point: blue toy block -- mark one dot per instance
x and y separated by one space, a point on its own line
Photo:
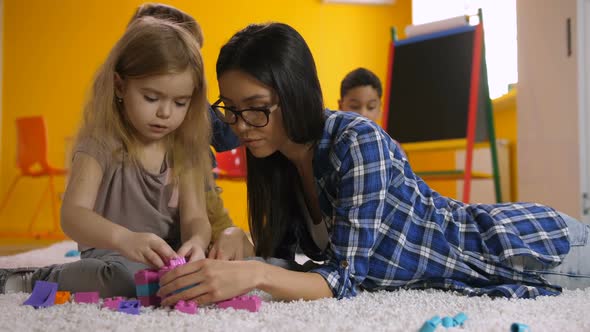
448 322
459 319
431 324
147 289
43 294
519 327
129 307
72 253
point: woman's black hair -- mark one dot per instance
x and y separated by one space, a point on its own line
277 56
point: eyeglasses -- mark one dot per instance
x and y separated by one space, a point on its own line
254 116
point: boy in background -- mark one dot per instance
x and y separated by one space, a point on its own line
360 92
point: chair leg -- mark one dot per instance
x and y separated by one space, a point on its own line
53 204
37 210
9 192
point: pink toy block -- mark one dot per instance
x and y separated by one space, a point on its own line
146 276
112 302
86 297
188 307
147 301
251 303
175 262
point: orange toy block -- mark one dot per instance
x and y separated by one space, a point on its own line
62 297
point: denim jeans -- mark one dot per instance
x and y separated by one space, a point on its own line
574 271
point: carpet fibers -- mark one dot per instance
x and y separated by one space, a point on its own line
380 311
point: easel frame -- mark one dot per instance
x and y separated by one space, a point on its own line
479 91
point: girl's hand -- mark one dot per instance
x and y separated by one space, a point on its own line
215 281
232 244
192 250
146 248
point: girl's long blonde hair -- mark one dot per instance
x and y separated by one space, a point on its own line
151 46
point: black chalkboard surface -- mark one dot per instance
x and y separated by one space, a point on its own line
430 85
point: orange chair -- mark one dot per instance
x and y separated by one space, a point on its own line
231 164
31 159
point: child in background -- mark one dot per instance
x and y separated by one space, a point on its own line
140 163
226 238
360 92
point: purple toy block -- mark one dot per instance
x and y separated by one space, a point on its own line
112 302
251 303
43 294
86 297
175 262
188 307
129 307
147 301
146 276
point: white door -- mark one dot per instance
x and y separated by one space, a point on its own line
583 20
549 160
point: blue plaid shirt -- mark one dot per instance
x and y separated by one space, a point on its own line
389 230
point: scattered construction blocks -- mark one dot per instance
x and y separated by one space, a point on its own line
62 297
251 303
188 307
86 297
129 307
43 294
113 302
519 327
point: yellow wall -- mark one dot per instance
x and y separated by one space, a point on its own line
52 49
505 124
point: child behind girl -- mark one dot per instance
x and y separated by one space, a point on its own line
360 92
135 193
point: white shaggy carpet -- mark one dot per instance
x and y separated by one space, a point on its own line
382 311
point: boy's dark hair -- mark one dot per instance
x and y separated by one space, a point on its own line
170 14
277 56
360 77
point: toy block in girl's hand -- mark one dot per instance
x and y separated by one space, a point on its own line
146 276
62 297
86 297
251 303
175 262
188 307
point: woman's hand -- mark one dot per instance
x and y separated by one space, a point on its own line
192 249
146 248
232 244
215 281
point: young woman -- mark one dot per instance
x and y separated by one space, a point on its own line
336 185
